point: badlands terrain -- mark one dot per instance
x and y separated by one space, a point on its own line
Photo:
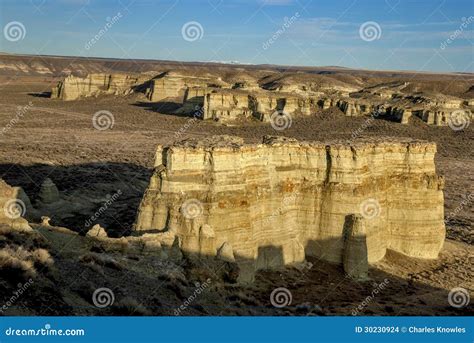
121 144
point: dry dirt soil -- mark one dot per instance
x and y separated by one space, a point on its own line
56 139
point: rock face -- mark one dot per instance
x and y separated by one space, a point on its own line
231 98
13 206
231 105
174 85
275 203
97 231
227 105
72 87
445 116
438 110
356 258
48 193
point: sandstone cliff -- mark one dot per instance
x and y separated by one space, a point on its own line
243 97
72 87
174 85
275 203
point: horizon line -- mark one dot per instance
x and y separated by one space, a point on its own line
239 64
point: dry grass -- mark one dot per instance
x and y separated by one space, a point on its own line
101 260
17 262
128 306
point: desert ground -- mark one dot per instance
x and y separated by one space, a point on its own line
56 139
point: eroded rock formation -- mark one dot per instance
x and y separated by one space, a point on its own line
174 85
231 98
72 87
48 193
275 203
14 204
356 261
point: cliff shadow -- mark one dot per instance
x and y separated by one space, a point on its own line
164 107
41 94
153 283
108 193
321 287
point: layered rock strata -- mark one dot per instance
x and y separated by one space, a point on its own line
73 88
229 105
438 112
48 193
355 260
275 203
174 85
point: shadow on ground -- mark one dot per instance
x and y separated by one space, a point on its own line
85 190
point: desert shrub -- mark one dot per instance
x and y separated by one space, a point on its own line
128 306
28 239
15 265
42 257
16 262
101 260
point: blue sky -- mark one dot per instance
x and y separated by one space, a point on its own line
409 34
